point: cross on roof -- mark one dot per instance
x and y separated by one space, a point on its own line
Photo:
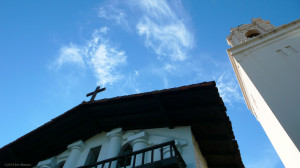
94 93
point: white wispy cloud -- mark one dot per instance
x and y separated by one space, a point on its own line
70 54
136 72
114 14
131 83
169 67
103 30
228 88
164 30
97 54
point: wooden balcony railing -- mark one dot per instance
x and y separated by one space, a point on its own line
173 154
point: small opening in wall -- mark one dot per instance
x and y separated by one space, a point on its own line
252 33
60 165
126 149
93 155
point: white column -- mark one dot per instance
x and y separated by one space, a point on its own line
115 144
48 163
139 141
75 151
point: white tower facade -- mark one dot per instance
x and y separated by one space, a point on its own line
266 61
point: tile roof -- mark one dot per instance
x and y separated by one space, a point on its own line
197 105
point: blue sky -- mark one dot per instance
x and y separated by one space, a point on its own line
54 52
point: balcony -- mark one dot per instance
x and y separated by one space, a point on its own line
164 155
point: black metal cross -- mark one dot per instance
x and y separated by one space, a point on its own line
94 93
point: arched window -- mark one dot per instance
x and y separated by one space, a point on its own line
252 33
126 149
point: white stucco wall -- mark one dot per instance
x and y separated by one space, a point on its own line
199 159
182 136
268 70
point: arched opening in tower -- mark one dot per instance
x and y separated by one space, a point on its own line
252 33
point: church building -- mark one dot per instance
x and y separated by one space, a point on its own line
266 61
184 127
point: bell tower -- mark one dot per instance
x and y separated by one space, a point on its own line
266 62
246 32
